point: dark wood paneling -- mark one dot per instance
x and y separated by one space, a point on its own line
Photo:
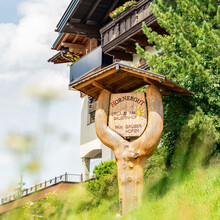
125 30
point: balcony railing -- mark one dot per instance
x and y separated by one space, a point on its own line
125 26
93 60
67 178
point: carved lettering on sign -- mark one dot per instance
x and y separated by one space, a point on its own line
128 113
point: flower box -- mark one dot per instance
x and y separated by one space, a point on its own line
121 9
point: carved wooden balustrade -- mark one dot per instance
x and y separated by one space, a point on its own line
120 35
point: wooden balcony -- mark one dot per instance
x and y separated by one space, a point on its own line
118 37
77 45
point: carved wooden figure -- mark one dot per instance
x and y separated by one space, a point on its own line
131 155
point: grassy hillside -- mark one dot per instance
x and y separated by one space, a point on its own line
197 196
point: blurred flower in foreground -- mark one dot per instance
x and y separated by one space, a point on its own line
34 166
44 95
18 143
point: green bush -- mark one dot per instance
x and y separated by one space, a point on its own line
105 185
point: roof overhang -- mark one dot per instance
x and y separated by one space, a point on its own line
71 41
120 78
59 58
70 44
67 15
83 17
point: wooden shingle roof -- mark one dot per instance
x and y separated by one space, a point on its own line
86 17
120 78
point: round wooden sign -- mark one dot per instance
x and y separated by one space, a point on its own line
128 113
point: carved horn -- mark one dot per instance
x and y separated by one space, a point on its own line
107 136
149 140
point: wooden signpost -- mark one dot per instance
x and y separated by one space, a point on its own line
124 124
130 155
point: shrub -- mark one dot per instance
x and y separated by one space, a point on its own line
105 185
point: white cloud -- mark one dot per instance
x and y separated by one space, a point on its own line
25 49
26 46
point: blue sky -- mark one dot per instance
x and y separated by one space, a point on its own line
8 11
26 35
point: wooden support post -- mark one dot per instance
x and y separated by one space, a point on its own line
131 156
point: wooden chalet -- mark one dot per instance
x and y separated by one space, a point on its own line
86 25
79 27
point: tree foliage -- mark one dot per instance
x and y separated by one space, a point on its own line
188 54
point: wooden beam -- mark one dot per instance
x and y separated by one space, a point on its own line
66 37
142 40
84 40
126 48
121 55
148 81
63 39
126 83
166 90
86 28
116 79
98 85
169 83
130 48
121 47
165 82
90 91
152 82
91 11
140 75
77 48
82 94
75 39
84 84
115 2
166 87
91 31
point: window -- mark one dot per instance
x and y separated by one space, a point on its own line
92 107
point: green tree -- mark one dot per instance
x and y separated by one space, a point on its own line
188 54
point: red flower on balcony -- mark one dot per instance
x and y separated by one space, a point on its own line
122 8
